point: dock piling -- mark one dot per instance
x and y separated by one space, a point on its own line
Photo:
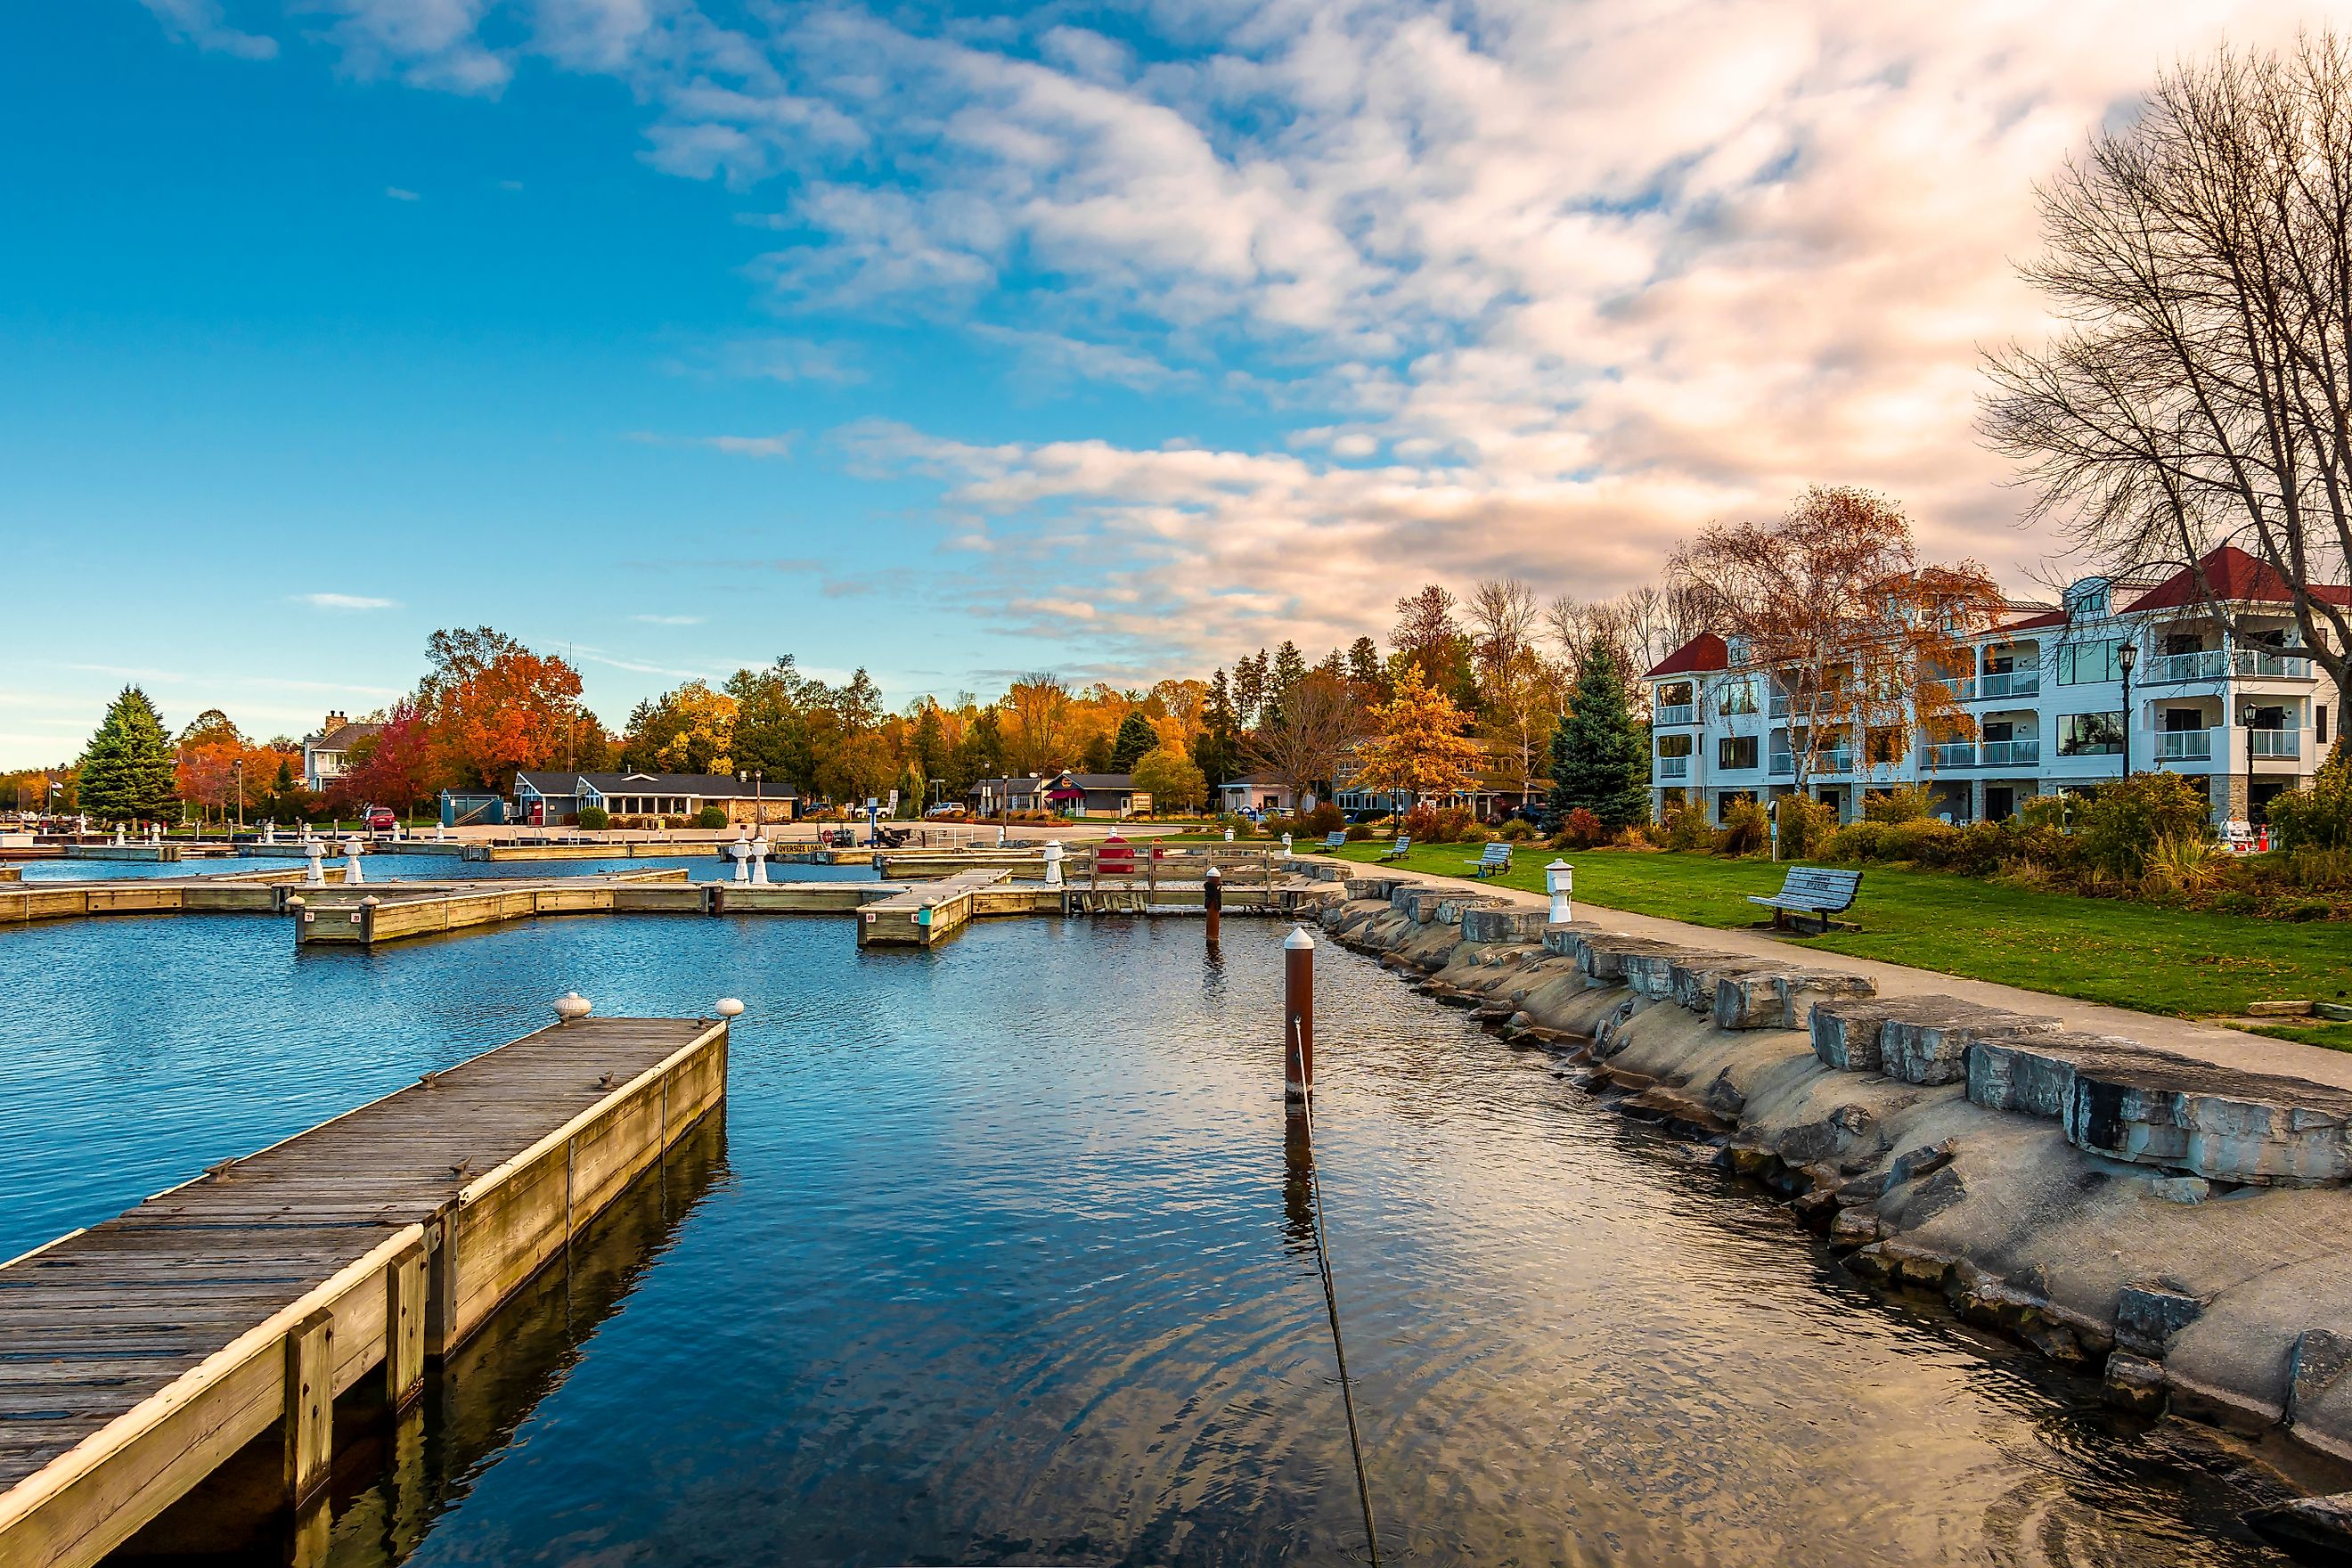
310 1406
1299 1013
1212 901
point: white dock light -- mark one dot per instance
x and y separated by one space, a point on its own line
1054 865
571 1005
731 1007
1559 881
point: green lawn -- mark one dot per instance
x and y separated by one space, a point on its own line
2100 950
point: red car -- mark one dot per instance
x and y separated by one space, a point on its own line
380 819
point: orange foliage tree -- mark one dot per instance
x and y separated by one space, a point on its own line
1417 748
494 708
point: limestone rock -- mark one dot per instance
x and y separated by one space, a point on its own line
2315 1364
2148 1315
1502 924
2157 1109
2134 1383
2034 1073
1563 939
2181 1189
1926 1039
2314 1528
1773 996
1602 955
1846 1033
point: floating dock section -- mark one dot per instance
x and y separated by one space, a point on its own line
137 1356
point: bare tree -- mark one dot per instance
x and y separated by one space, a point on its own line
2203 394
1502 615
1300 745
1832 603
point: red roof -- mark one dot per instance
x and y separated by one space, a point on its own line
2236 578
2034 623
1704 652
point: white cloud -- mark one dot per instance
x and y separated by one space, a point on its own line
203 23
345 601
396 193
669 620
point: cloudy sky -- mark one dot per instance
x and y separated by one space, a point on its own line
1109 338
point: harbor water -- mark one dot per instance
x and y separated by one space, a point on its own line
1004 1251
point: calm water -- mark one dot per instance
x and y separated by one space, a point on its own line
999 1256
382 868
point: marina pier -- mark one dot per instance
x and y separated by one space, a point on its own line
144 1352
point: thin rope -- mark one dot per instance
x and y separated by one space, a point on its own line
1338 1345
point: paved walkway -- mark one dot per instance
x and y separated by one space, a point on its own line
2206 1042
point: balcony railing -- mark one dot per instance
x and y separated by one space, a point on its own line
2213 663
1678 713
2011 753
1674 767
1784 765
1780 705
1841 762
2172 668
2006 683
2274 742
1947 754
2185 745
2259 661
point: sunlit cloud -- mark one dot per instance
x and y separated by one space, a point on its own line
345 601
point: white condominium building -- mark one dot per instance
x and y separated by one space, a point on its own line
2162 675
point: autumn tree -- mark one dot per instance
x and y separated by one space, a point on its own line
1171 779
1599 752
689 730
2202 395
1417 748
126 773
396 766
1037 729
494 708
1301 744
1833 604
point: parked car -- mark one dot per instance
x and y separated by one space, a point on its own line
380 819
939 811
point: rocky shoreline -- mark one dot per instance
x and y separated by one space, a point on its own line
2173 1227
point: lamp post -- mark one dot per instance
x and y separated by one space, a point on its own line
2126 656
2247 713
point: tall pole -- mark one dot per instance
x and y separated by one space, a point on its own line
1299 1013
2126 656
1212 901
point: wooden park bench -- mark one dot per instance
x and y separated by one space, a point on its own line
1494 861
1398 850
1811 891
1332 840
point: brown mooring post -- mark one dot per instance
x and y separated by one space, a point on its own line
310 1406
1213 900
1299 1013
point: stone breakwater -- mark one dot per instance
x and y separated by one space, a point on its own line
2173 1226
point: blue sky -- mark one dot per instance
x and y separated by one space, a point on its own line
1111 339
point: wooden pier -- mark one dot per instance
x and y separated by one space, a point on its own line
138 1355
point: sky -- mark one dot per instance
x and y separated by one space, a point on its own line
1111 339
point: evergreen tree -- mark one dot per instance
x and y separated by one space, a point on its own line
1216 750
127 771
1137 739
1600 756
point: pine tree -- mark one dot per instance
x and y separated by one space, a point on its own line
1136 740
1599 759
127 769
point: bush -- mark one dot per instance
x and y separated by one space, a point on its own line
1453 823
1358 832
2183 865
2235 902
1746 829
595 818
1686 829
2319 818
1806 824
710 816
1475 833
1319 823
1419 825
1519 830
2123 827
1908 804
2319 869
1579 829
1857 841
1922 840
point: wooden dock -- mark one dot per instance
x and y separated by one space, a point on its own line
138 1355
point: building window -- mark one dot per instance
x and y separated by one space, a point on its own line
2089 663
2319 722
1674 745
1884 744
1738 697
1735 752
2090 734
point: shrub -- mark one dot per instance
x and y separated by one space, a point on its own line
1358 832
1907 804
2235 902
1806 824
2123 827
2053 812
1579 829
595 818
1922 840
1474 834
710 816
1746 829
2319 869
1857 841
1686 828
2184 865
1453 824
1419 825
2304 909
2041 846
1242 826
2319 818
1519 830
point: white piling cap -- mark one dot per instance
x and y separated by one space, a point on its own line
729 1007
1298 939
570 1006
1213 875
